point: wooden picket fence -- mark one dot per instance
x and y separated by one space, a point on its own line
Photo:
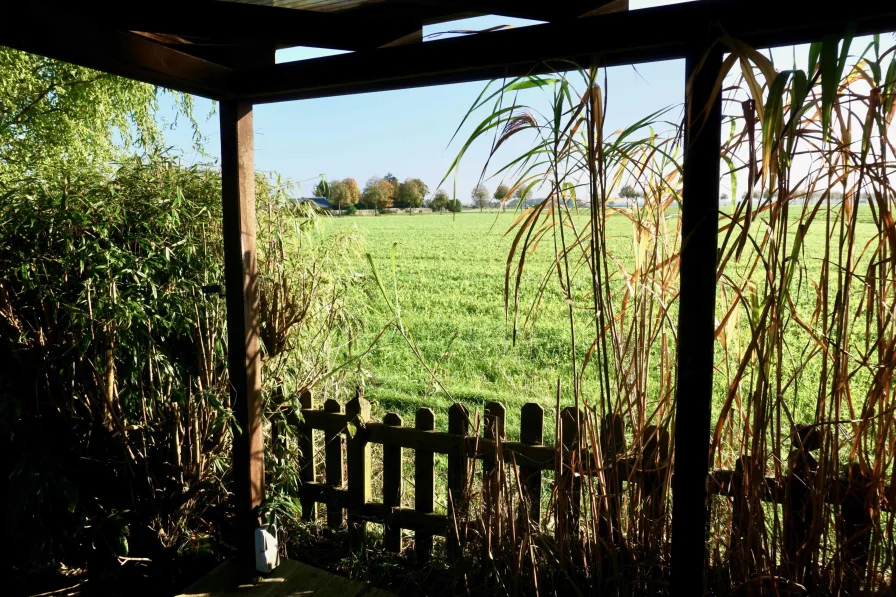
350 433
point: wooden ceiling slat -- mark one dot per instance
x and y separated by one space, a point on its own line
606 40
29 28
619 38
213 22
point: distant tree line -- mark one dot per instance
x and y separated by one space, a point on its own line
483 199
835 196
387 191
378 193
382 193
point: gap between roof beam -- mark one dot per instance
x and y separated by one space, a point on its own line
538 10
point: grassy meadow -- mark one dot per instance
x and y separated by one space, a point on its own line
448 276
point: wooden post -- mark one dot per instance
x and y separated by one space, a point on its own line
458 424
334 466
696 321
392 486
424 484
532 433
307 471
358 467
243 353
492 481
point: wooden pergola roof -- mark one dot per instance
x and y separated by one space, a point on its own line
225 50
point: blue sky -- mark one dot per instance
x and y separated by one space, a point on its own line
405 132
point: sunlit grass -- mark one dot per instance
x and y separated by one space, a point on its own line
450 280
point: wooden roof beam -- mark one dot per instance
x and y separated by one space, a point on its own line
29 28
216 23
662 33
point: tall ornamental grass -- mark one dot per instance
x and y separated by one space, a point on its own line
804 426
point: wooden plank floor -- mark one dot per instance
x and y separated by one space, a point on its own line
290 579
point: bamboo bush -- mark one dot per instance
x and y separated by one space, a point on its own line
107 326
115 399
307 326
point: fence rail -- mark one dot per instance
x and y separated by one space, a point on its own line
349 434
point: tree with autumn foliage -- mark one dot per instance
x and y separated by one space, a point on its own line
378 193
344 192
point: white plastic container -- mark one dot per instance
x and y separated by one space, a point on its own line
267 556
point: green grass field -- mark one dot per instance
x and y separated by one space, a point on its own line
449 276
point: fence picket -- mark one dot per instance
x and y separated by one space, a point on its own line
392 486
307 471
612 441
799 509
358 468
424 484
334 464
532 433
458 424
654 470
656 456
570 502
493 475
738 545
855 527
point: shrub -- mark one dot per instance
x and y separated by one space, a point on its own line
115 403
112 321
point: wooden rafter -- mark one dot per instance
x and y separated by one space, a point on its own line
604 40
215 23
79 41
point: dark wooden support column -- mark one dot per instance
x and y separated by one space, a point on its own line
243 353
696 323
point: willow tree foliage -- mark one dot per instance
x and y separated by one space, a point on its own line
54 115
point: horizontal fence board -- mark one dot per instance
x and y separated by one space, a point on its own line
541 457
405 518
324 494
721 482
